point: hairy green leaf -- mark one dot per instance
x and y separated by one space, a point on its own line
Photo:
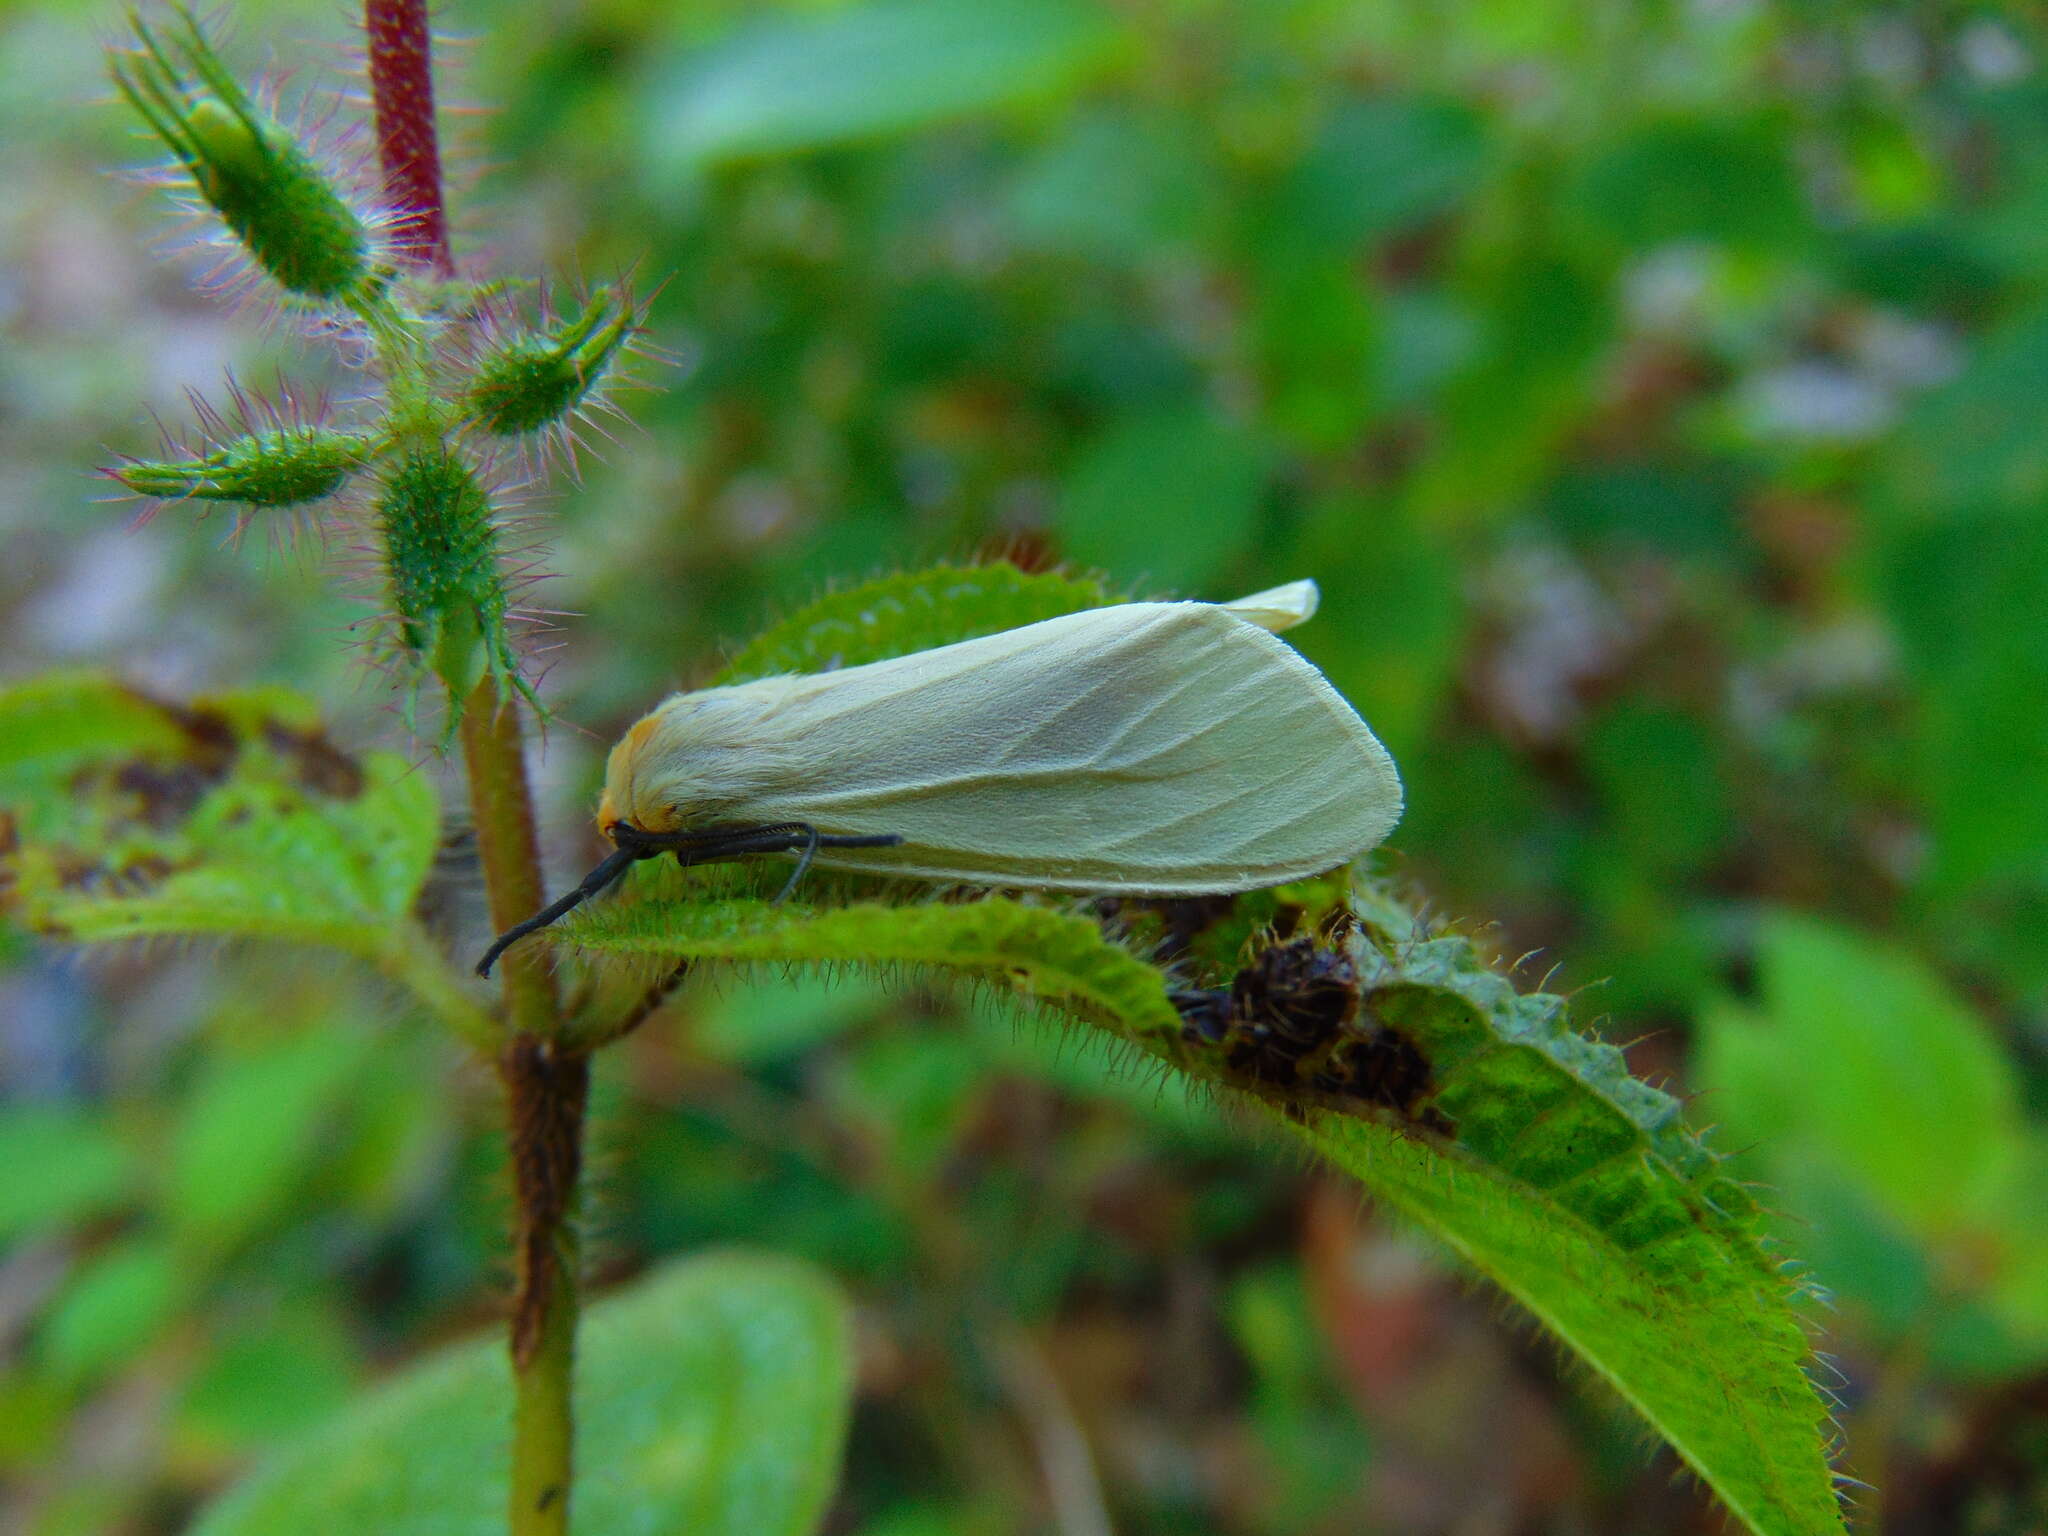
1580 1192
1690 1333
711 1398
916 611
1474 1110
127 816
1041 953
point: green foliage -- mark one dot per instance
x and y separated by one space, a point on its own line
251 1128
1116 186
1654 395
1879 1105
231 816
1310 1438
271 1376
713 1397
119 1301
798 83
1707 178
1425 155
82 1169
1172 497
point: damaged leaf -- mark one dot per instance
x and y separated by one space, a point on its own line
124 816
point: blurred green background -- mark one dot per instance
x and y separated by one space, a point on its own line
1656 390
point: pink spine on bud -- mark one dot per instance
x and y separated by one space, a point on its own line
402 92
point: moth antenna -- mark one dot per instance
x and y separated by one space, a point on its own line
614 865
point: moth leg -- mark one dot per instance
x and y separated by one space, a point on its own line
803 865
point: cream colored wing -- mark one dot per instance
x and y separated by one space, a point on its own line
1148 747
1278 608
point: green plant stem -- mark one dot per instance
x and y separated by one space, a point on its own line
501 807
543 1420
546 1086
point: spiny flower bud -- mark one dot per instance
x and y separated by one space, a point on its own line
448 592
277 201
281 467
527 383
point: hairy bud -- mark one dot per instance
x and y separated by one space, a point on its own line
281 467
531 382
448 594
278 202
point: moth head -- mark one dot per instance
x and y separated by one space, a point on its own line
630 776
700 757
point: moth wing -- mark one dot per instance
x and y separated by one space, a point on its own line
1156 747
1278 608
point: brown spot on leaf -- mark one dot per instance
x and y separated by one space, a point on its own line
86 876
166 790
213 744
165 793
149 869
317 763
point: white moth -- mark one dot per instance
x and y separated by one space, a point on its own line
1145 748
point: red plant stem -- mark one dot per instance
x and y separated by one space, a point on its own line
408 148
